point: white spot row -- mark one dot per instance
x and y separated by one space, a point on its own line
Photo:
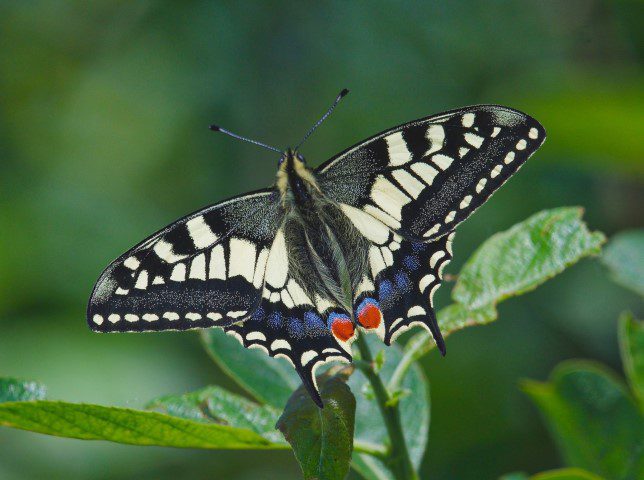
172 316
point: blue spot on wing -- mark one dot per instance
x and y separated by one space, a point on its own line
385 289
313 320
295 327
412 262
258 314
402 281
275 320
418 247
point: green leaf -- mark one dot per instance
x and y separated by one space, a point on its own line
631 343
215 404
566 474
269 380
593 420
414 412
14 390
322 439
624 257
124 425
521 258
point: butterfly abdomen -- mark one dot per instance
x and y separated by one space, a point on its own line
326 248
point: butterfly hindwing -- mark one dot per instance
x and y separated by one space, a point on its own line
423 178
306 330
206 269
397 289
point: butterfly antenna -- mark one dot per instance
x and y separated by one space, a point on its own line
216 128
328 112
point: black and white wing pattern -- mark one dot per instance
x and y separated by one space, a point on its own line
290 324
424 177
406 190
297 320
206 269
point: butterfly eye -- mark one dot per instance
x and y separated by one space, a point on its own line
280 161
301 158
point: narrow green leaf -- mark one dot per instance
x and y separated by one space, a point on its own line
566 474
624 257
414 412
269 380
631 343
215 404
593 420
322 439
14 390
124 425
521 258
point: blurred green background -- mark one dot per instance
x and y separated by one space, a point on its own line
103 139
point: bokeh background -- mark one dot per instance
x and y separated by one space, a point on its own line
103 139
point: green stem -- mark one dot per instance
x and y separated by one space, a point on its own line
398 459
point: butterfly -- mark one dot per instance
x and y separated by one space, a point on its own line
358 243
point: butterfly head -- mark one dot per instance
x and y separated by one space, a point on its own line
290 160
292 171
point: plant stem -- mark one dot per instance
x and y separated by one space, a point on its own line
398 459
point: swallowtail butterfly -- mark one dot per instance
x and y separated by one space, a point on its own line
358 243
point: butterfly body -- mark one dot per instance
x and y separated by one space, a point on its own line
359 243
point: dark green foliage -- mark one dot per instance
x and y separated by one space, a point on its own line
322 439
594 419
631 338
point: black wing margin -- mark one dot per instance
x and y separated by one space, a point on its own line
204 270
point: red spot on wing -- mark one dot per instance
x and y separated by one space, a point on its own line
370 316
342 329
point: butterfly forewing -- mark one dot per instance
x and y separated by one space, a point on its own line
423 178
204 270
